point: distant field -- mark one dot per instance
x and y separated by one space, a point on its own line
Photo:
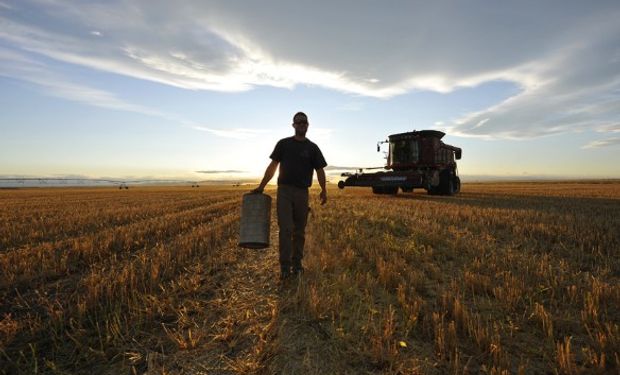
503 278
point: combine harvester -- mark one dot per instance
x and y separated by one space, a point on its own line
417 159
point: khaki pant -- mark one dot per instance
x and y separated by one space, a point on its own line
292 208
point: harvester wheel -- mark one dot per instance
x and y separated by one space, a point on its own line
434 190
449 188
393 190
341 184
457 184
446 183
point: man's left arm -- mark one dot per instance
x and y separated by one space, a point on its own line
320 175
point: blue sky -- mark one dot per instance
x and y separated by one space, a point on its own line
162 90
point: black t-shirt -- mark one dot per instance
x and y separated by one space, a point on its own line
298 160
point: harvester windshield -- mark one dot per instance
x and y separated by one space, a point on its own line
404 151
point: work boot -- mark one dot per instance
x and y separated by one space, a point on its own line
298 270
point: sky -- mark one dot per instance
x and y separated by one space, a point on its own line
204 89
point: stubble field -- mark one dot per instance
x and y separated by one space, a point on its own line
503 278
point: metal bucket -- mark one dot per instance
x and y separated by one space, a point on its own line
255 221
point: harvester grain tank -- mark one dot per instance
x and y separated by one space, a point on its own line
417 159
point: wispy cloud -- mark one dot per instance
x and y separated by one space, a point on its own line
572 91
231 133
564 57
222 172
19 66
611 128
603 143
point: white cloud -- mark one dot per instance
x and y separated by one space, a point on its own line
13 64
611 128
241 134
603 143
481 122
563 55
576 90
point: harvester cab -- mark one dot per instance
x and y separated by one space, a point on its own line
417 159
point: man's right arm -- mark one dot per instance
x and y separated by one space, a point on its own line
269 172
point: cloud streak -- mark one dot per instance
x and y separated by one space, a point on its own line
603 143
222 172
565 56
240 133
18 65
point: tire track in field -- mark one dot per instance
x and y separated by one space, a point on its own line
112 293
62 282
117 214
127 217
240 318
300 343
255 323
66 284
79 246
165 260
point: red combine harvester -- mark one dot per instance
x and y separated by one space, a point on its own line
417 159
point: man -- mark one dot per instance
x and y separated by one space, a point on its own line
298 158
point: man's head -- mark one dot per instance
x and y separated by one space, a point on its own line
300 123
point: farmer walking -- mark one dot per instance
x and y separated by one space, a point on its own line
298 158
